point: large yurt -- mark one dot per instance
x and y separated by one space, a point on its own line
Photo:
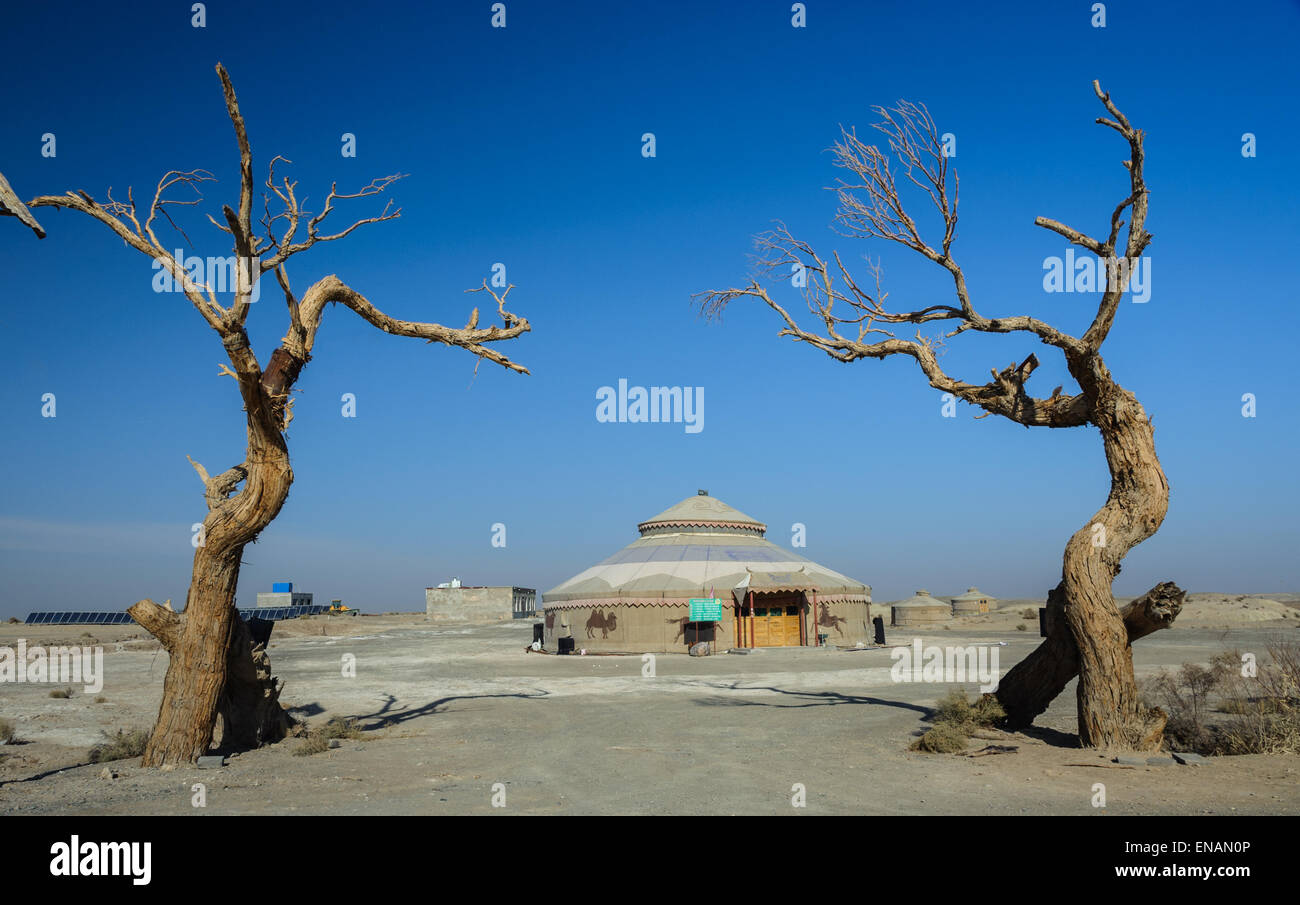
920 610
639 599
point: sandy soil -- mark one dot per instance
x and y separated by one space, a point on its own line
450 711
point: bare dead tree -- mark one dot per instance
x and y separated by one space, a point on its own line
10 206
1089 635
214 669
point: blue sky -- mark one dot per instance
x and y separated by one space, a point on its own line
523 146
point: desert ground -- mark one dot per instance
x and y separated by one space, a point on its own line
455 715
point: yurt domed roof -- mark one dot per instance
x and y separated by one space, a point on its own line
702 511
921 598
700 547
972 594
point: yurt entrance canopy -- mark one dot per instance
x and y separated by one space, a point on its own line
704 548
770 608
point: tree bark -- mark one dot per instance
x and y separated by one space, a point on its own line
250 709
213 668
196 672
1110 715
1032 684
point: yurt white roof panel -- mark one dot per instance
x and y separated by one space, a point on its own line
673 565
922 598
702 510
972 594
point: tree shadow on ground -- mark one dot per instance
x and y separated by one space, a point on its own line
1054 738
392 715
803 699
134 761
303 711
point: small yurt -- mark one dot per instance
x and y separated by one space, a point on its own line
920 610
972 602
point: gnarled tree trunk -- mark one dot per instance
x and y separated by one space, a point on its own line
1089 636
1110 715
212 667
1031 685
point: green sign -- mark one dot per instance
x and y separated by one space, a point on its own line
706 609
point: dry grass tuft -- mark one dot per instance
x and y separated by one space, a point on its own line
944 738
317 740
955 719
120 745
1257 714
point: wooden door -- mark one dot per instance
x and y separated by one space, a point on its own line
774 626
791 626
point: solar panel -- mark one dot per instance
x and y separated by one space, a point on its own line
54 617
276 613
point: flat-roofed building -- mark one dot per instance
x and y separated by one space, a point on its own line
461 603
